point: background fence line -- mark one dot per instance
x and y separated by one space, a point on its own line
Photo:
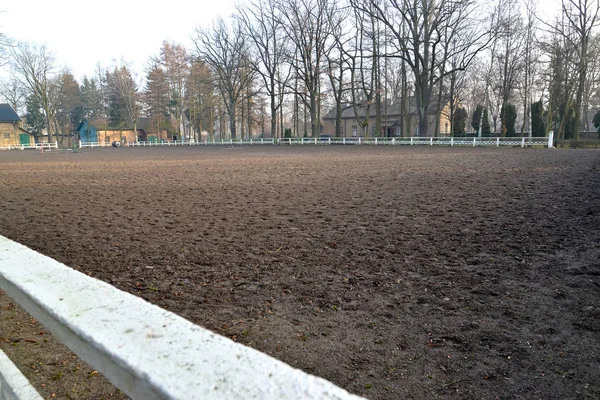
393 141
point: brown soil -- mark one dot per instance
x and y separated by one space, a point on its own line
415 273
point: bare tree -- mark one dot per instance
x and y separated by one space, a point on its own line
364 69
11 91
156 98
582 18
510 56
225 51
200 99
591 94
337 63
561 80
305 24
174 60
262 23
34 67
419 45
127 89
530 63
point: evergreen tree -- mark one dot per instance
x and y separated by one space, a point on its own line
35 117
116 105
485 129
460 122
91 98
538 127
156 98
200 98
596 122
476 118
508 117
69 110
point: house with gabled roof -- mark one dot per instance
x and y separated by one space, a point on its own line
11 131
391 119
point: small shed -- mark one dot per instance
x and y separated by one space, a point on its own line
87 132
99 130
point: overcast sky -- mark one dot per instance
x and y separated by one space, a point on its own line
83 33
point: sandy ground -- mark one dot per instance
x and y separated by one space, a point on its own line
413 272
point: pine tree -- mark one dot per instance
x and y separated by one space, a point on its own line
538 127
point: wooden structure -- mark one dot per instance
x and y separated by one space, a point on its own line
11 132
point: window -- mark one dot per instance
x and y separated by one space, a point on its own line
6 135
354 130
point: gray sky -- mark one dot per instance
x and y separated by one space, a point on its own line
83 33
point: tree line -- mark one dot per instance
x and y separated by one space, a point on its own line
277 66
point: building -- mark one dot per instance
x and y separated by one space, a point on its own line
391 117
11 133
99 130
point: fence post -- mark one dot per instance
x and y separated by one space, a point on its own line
411 140
393 141
375 141
497 142
359 140
56 144
80 144
474 141
550 139
522 142
431 141
315 140
451 141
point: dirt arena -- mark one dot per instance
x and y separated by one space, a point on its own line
396 273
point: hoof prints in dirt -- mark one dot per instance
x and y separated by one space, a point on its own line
394 272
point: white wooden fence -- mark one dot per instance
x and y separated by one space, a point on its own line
428 141
147 352
393 141
37 146
226 142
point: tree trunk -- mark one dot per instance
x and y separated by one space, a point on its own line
232 119
273 110
314 129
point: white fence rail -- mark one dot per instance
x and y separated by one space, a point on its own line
429 141
13 385
147 352
394 141
225 142
37 146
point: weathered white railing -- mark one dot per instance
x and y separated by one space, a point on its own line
147 352
384 141
94 144
13 385
429 141
224 142
37 146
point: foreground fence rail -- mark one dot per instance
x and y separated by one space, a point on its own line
147 352
393 141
